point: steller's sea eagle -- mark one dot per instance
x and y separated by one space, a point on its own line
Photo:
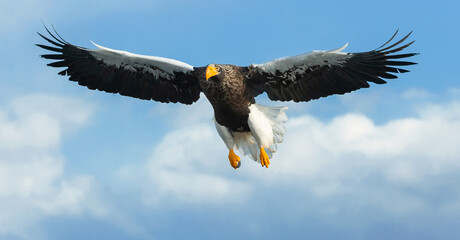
241 123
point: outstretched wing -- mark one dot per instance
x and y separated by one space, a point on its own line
145 77
323 73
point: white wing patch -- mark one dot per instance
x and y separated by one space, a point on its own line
157 66
298 64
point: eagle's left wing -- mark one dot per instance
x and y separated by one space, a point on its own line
323 73
139 76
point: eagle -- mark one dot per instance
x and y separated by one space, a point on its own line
243 125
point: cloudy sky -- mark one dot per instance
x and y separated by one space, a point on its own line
380 163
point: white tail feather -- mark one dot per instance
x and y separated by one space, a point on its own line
246 143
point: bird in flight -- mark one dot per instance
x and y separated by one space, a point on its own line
243 125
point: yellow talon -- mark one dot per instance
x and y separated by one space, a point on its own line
234 159
264 160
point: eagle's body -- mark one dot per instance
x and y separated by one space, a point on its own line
243 125
230 97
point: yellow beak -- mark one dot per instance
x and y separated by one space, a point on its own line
211 71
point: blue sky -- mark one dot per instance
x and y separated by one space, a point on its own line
380 163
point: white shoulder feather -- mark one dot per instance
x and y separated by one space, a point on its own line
310 59
132 61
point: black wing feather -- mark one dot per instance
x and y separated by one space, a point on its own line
84 68
322 80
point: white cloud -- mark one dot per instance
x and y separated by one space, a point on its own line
36 122
349 155
184 169
405 149
32 180
190 163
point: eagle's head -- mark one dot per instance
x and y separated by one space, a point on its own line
213 71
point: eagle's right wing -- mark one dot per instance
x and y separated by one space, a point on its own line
145 77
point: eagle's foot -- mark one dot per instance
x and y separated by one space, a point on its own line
264 160
234 159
